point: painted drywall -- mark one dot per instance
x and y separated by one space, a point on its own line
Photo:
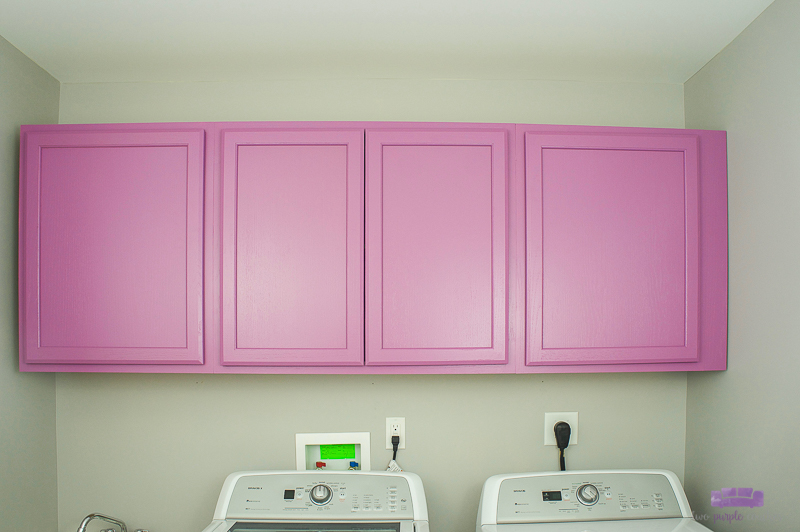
154 449
742 428
537 102
28 95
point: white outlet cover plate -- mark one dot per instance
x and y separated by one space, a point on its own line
550 420
402 422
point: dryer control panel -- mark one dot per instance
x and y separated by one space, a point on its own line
321 496
585 496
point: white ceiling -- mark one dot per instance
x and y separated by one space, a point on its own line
204 40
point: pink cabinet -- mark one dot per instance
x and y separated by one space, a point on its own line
372 248
292 247
436 247
626 248
111 247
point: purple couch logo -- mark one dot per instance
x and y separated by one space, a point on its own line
737 498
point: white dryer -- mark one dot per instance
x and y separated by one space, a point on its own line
320 501
586 501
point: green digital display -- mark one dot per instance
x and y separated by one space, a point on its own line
339 451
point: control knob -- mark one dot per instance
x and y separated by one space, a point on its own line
321 494
588 494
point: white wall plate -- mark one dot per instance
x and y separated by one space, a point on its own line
312 447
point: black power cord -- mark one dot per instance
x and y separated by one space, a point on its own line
563 432
393 466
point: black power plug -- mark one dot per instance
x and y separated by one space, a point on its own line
563 432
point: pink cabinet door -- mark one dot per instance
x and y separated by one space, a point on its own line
612 248
436 255
111 247
292 248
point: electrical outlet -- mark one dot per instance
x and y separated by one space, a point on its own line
550 421
396 426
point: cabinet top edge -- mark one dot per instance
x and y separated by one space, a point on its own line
356 125
352 125
557 129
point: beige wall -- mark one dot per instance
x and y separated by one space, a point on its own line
154 450
742 425
28 95
538 102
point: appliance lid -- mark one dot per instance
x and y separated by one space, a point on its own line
681 524
314 527
317 526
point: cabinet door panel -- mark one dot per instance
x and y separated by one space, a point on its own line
112 245
437 247
292 248
612 248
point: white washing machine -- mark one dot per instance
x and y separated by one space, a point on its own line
586 501
320 501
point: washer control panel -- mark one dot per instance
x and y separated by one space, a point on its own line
585 497
314 496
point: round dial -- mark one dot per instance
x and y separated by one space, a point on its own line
588 494
320 494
